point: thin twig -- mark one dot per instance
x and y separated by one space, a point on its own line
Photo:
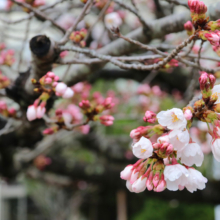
134 11
39 14
65 39
101 14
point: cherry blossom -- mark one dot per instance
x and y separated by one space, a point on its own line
143 148
172 119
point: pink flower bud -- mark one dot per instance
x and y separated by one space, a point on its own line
56 78
212 80
192 5
134 176
108 104
139 132
188 114
149 185
40 111
126 173
170 149
161 186
68 93
12 111
203 80
156 179
54 84
50 74
48 80
150 117
107 120
48 131
213 38
31 113
84 104
188 26
63 54
201 8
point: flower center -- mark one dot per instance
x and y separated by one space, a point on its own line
174 118
143 150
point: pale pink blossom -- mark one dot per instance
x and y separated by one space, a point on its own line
40 111
113 20
172 119
195 180
215 146
68 93
61 88
179 139
143 148
129 186
192 154
175 175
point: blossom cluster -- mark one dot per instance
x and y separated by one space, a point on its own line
33 3
69 115
7 57
201 26
167 151
78 37
4 81
6 111
47 86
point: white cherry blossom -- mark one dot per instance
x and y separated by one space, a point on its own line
195 180
215 146
173 119
179 139
175 175
113 20
192 154
143 148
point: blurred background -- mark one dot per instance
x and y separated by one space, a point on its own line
75 175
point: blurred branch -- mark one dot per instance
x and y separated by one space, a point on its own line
135 12
65 39
39 14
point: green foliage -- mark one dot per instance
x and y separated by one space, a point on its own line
155 209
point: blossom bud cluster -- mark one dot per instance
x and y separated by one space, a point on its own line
37 110
4 81
167 162
79 36
6 111
33 3
47 86
92 109
7 57
198 11
207 82
64 118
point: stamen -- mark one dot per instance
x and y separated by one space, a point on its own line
143 150
174 118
